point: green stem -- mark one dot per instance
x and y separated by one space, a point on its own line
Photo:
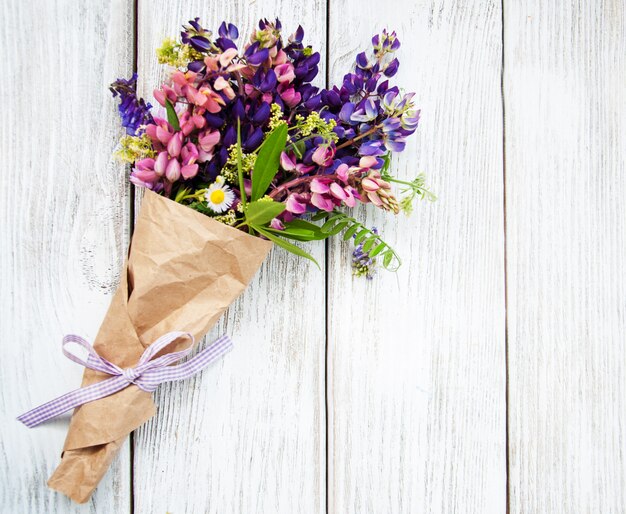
403 182
297 181
242 188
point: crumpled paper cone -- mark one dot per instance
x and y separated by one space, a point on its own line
184 269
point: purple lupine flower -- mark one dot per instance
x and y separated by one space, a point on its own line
196 36
362 264
134 111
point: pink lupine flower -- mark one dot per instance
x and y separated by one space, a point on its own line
322 202
222 85
323 155
206 143
175 144
319 186
289 95
138 182
296 204
164 135
276 224
337 191
367 161
227 57
348 195
172 172
378 191
352 196
189 171
189 122
161 163
285 73
343 173
280 58
165 93
181 81
303 169
144 170
189 155
212 102
159 132
287 162
212 63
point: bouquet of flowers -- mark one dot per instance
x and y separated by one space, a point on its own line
243 153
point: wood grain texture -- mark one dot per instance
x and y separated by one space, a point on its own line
64 211
417 359
565 70
247 435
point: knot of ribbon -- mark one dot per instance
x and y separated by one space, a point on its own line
149 372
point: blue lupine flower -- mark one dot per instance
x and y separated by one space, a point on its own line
134 111
362 264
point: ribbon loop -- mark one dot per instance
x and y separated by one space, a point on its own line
147 375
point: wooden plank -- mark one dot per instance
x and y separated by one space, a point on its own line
417 358
64 227
247 435
566 240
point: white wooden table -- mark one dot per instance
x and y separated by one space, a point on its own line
487 376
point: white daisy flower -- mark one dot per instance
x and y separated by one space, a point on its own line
219 197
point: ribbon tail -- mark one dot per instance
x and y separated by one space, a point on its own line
151 379
73 399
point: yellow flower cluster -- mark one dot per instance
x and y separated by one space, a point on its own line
276 116
314 124
175 54
229 218
133 148
229 171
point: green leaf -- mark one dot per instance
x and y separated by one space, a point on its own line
285 244
360 236
378 249
338 228
332 221
172 117
350 232
320 215
266 165
262 212
242 186
368 244
182 192
387 257
300 230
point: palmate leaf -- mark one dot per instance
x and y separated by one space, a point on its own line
266 164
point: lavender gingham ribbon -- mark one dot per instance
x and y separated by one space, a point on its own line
147 375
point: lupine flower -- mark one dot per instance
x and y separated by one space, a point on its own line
296 203
378 191
362 264
134 111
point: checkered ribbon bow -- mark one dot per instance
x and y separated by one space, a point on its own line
147 375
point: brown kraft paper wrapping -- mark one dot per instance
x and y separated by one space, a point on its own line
184 269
